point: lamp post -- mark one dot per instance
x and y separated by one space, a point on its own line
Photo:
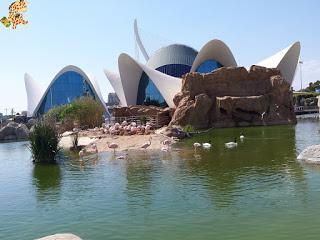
300 63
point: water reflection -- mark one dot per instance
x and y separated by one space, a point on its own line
47 181
266 157
139 170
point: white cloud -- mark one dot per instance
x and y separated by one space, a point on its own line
310 73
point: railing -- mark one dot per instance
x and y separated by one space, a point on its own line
306 109
156 121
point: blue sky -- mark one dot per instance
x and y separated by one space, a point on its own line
91 34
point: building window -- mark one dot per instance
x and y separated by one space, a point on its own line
148 93
65 89
208 66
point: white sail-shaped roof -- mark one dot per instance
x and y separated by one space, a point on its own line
34 93
127 82
215 50
286 61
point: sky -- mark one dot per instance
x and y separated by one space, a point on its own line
92 34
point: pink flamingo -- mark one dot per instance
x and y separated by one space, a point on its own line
146 145
94 148
167 142
82 153
113 146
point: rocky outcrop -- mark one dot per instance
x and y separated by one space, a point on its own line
310 155
232 96
14 131
172 132
65 236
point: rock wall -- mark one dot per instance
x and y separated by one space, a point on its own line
232 96
158 116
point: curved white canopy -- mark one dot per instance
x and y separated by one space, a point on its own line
34 93
286 61
215 50
126 84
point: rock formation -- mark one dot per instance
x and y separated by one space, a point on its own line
14 131
310 155
232 96
65 236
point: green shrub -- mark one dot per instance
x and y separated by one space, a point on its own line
44 141
84 111
188 128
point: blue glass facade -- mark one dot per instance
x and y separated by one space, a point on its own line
65 89
148 93
208 66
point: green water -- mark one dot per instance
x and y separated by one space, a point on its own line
257 191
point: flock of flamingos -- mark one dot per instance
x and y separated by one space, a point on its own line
132 128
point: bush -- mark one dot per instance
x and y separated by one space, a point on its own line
84 111
188 128
44 141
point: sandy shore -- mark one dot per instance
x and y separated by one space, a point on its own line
126 143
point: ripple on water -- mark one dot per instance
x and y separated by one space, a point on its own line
257 189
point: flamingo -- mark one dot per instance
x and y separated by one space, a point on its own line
207 145
231 144
81 153
94 148
166 143
241 137
113 146
196 146
146 145
164 149
122 157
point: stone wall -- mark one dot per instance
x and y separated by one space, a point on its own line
157 116
232 96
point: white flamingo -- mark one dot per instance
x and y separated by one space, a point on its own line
81 153
113 146
147 144
241 137
231 144
196 145
207 145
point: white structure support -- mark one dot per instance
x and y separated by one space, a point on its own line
286 61
138 40
34 93
36 96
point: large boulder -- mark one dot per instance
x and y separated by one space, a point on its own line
233 96
64 236
14 131
193 111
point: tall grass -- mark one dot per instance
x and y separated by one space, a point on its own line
44 140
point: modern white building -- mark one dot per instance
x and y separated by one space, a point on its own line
159 80
69 84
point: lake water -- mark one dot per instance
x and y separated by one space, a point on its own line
256 191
